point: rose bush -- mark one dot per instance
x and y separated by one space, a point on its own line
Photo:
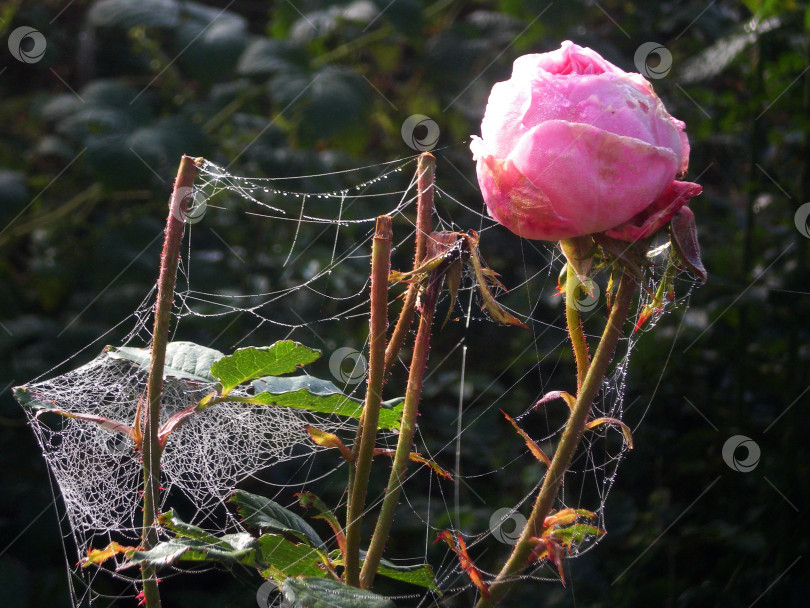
573 145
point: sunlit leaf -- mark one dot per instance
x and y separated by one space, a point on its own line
98 556
628 435
569 399
329 440
252 363
333 404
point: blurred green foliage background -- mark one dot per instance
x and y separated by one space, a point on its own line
90 140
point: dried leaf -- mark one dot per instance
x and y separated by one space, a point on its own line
98 556
683 233
533 447
481 277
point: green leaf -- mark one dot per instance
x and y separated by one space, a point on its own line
418 574
233 548
261 512
127 14
264 56
254 362
334 404
183 359
181 528
576 533
308 592
276 552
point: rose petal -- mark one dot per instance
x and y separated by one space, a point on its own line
658 214
515 202
592 180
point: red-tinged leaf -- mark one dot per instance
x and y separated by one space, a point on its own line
556 554
329 440
416 457
105 423
98 556
628 436
307 500
643 317
530 443
175 422
569 399
459 547
538 550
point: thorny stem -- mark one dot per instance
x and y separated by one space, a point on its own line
578 341
568 442
410 411
426 176
163 310
363 450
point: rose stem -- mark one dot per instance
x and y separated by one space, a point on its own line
163 311
426 174
410 411
363 450
568 442
572 283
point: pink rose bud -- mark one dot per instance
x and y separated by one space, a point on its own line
572 145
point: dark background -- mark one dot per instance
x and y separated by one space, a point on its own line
85 175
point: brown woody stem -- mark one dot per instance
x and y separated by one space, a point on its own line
152 451
425 177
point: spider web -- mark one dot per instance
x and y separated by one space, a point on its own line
98 475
